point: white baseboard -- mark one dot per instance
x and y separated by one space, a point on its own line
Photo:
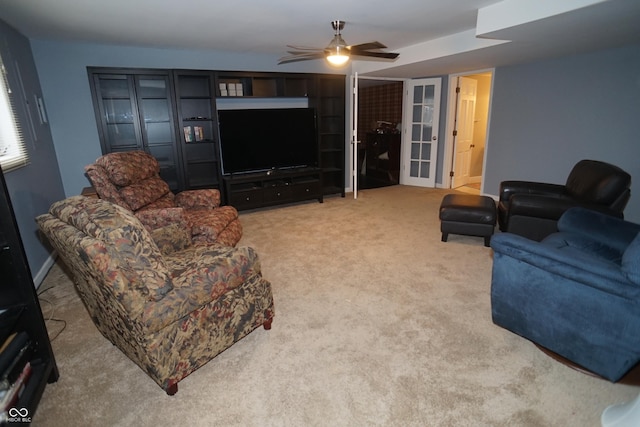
42 273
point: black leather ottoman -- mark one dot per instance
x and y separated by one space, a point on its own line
469 215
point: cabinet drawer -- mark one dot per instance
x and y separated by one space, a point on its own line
306 190
246 199
277 194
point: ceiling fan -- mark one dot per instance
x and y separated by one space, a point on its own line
337 52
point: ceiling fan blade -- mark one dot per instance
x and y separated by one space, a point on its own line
302 52
303 57
367 46
306 48
384 55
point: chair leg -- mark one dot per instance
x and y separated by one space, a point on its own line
267 324
487 241
445 236
172 389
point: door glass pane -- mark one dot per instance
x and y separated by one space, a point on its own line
120 135
114 88
152 88
424 169
429 94
415 132
417 94
426 132
415 150
417 113
426 151
155 110
427 115
159 133
118 110
414 169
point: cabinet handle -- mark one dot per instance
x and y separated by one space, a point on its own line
247 199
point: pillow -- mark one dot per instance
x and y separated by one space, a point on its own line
631 261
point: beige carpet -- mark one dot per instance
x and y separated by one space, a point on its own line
378 323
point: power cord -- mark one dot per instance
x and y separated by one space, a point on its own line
51 318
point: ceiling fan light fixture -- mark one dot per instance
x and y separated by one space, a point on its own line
337 56
337 52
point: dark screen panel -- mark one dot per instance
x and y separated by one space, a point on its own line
263 139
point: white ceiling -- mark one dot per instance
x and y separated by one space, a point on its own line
432 36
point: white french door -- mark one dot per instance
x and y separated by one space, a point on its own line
420 139
354 134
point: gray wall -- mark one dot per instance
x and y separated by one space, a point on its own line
63 75
34 187
546 116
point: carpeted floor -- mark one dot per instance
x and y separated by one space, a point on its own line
378 323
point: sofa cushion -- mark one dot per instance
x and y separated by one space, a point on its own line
125 168
145 192
631 261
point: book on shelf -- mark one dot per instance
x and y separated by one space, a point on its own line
13 372
188 136
198 132
9 397
11 348
13 358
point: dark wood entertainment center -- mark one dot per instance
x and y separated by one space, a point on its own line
254 190
172 114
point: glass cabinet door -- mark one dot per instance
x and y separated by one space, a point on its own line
157 124
134 111
118 113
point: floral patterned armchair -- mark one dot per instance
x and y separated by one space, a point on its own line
131 179
168 304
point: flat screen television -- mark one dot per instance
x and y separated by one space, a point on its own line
253 140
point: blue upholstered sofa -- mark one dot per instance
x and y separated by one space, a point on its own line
576 293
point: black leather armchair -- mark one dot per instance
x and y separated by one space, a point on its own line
532 209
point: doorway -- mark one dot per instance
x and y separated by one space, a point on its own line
469 104
379 132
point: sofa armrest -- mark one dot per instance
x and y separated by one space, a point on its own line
201 274
605 228
598 273
509 188
198 199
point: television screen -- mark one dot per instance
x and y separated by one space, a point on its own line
253 140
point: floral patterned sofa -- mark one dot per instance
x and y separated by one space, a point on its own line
131 179
168 304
